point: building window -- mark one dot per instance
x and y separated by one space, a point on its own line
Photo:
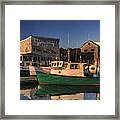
33 49
27 64
88 43
44 58
92 56
20 58
22 64
39 59
34 59
92 49
24 58
85 50
30 59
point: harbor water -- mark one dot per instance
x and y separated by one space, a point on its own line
30 91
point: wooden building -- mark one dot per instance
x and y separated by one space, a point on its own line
90 52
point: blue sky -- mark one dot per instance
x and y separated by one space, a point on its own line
77 31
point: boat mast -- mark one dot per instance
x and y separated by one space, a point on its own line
68 49
76 51
88 61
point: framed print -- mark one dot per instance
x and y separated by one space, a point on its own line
59 59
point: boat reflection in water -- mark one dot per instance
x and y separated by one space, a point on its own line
58 92
66 89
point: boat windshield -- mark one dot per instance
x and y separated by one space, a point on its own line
74 66
57 64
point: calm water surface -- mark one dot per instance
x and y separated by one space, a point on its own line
34 91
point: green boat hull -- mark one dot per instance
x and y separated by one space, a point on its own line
50 79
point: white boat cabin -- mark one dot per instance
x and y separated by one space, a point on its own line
57 64
68 68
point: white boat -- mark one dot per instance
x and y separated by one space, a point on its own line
68 68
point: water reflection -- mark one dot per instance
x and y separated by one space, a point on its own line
48 92
66 89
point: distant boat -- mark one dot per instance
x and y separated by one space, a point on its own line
67 74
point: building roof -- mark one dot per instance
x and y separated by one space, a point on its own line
41 37
95 42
